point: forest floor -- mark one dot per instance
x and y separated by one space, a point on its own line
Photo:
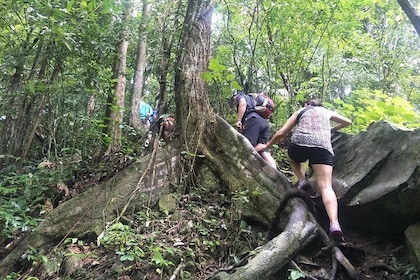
374 256
203 236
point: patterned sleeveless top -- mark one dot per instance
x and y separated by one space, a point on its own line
314 129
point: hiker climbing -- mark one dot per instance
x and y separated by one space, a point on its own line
252 125
311 140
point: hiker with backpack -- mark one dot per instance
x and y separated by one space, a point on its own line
252 125
311 140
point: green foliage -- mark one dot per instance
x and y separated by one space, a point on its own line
22 199
158 259
220 73
34 256
125 241
411 273
74 241
28 192
321 49
365 107
133 247
191 236
223 84
295 274
241 196
280 155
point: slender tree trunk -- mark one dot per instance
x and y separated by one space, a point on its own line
140 68
164 66
30 104
43 101
411 13
117 110
9 140
167 44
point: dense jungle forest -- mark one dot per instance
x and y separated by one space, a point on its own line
73 74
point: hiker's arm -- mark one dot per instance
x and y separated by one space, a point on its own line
340 120
241 112
280 134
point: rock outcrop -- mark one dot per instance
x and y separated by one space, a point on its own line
377 178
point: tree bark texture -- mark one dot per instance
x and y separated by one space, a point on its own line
411 13
167 43
117 113
140 68
193 112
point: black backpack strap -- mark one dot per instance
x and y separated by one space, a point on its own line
301 113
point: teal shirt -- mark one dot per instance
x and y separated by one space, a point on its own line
145 110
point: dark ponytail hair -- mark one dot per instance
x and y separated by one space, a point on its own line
313 102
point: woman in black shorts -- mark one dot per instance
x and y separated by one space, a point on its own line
311 140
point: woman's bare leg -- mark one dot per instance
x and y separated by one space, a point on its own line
323 174
298 168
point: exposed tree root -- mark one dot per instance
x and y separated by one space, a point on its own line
334 268
279 251
338 255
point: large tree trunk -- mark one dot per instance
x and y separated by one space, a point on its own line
195 118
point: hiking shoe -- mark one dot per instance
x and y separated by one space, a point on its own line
336 233
304 185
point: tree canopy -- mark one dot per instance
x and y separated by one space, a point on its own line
58 63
